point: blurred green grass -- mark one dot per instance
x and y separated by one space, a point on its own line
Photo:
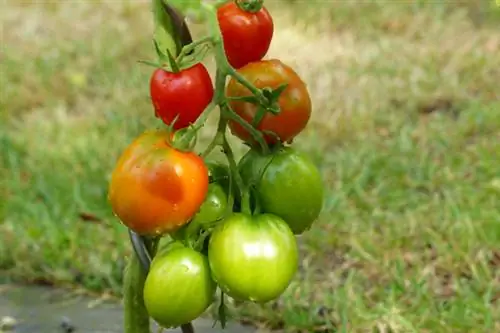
405 132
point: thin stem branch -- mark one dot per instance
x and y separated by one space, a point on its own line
186 50
229 113
245 197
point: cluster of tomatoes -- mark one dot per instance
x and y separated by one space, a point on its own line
238 238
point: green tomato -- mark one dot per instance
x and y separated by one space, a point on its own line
287 184
213 209
179 287
253 257
220 173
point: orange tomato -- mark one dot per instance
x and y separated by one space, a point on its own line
156 189
295 102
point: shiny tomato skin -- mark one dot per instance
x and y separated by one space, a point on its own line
295 101
212 210
214 207
287 184
185 94
154 188
253 258
218 173
246 36
179 287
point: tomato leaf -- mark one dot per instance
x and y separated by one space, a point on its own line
150 63
171 31
221 312
275 94
197 56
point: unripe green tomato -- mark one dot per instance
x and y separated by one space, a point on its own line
253 258
213 209
287 184
179 287
220 173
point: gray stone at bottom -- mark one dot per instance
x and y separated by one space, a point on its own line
44 310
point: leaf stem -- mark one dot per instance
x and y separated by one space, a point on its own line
186 50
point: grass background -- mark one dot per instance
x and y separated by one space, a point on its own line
406 132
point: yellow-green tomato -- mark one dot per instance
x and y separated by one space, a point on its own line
253 258
178 287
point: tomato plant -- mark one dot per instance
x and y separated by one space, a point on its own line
287 184
253 257
233 224
246 35
181 96
151 188
178 287
294 102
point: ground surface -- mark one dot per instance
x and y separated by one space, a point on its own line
406 131
45 310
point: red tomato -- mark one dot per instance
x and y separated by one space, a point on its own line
155 188
247 36
294 101
185 94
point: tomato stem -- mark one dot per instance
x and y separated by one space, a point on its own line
188 49
245 197
229 113
218 138
136 316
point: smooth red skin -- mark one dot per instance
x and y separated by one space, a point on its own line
186 93
246 36
295 102
156 189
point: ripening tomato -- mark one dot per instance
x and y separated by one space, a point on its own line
253 257
155 188
287 184
184 94
178 287
294 101
246 36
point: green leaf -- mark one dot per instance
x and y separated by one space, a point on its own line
193 8
277 92
221 312
171 32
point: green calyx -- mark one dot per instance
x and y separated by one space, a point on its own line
251 6
184 139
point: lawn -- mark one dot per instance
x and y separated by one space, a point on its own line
406 132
